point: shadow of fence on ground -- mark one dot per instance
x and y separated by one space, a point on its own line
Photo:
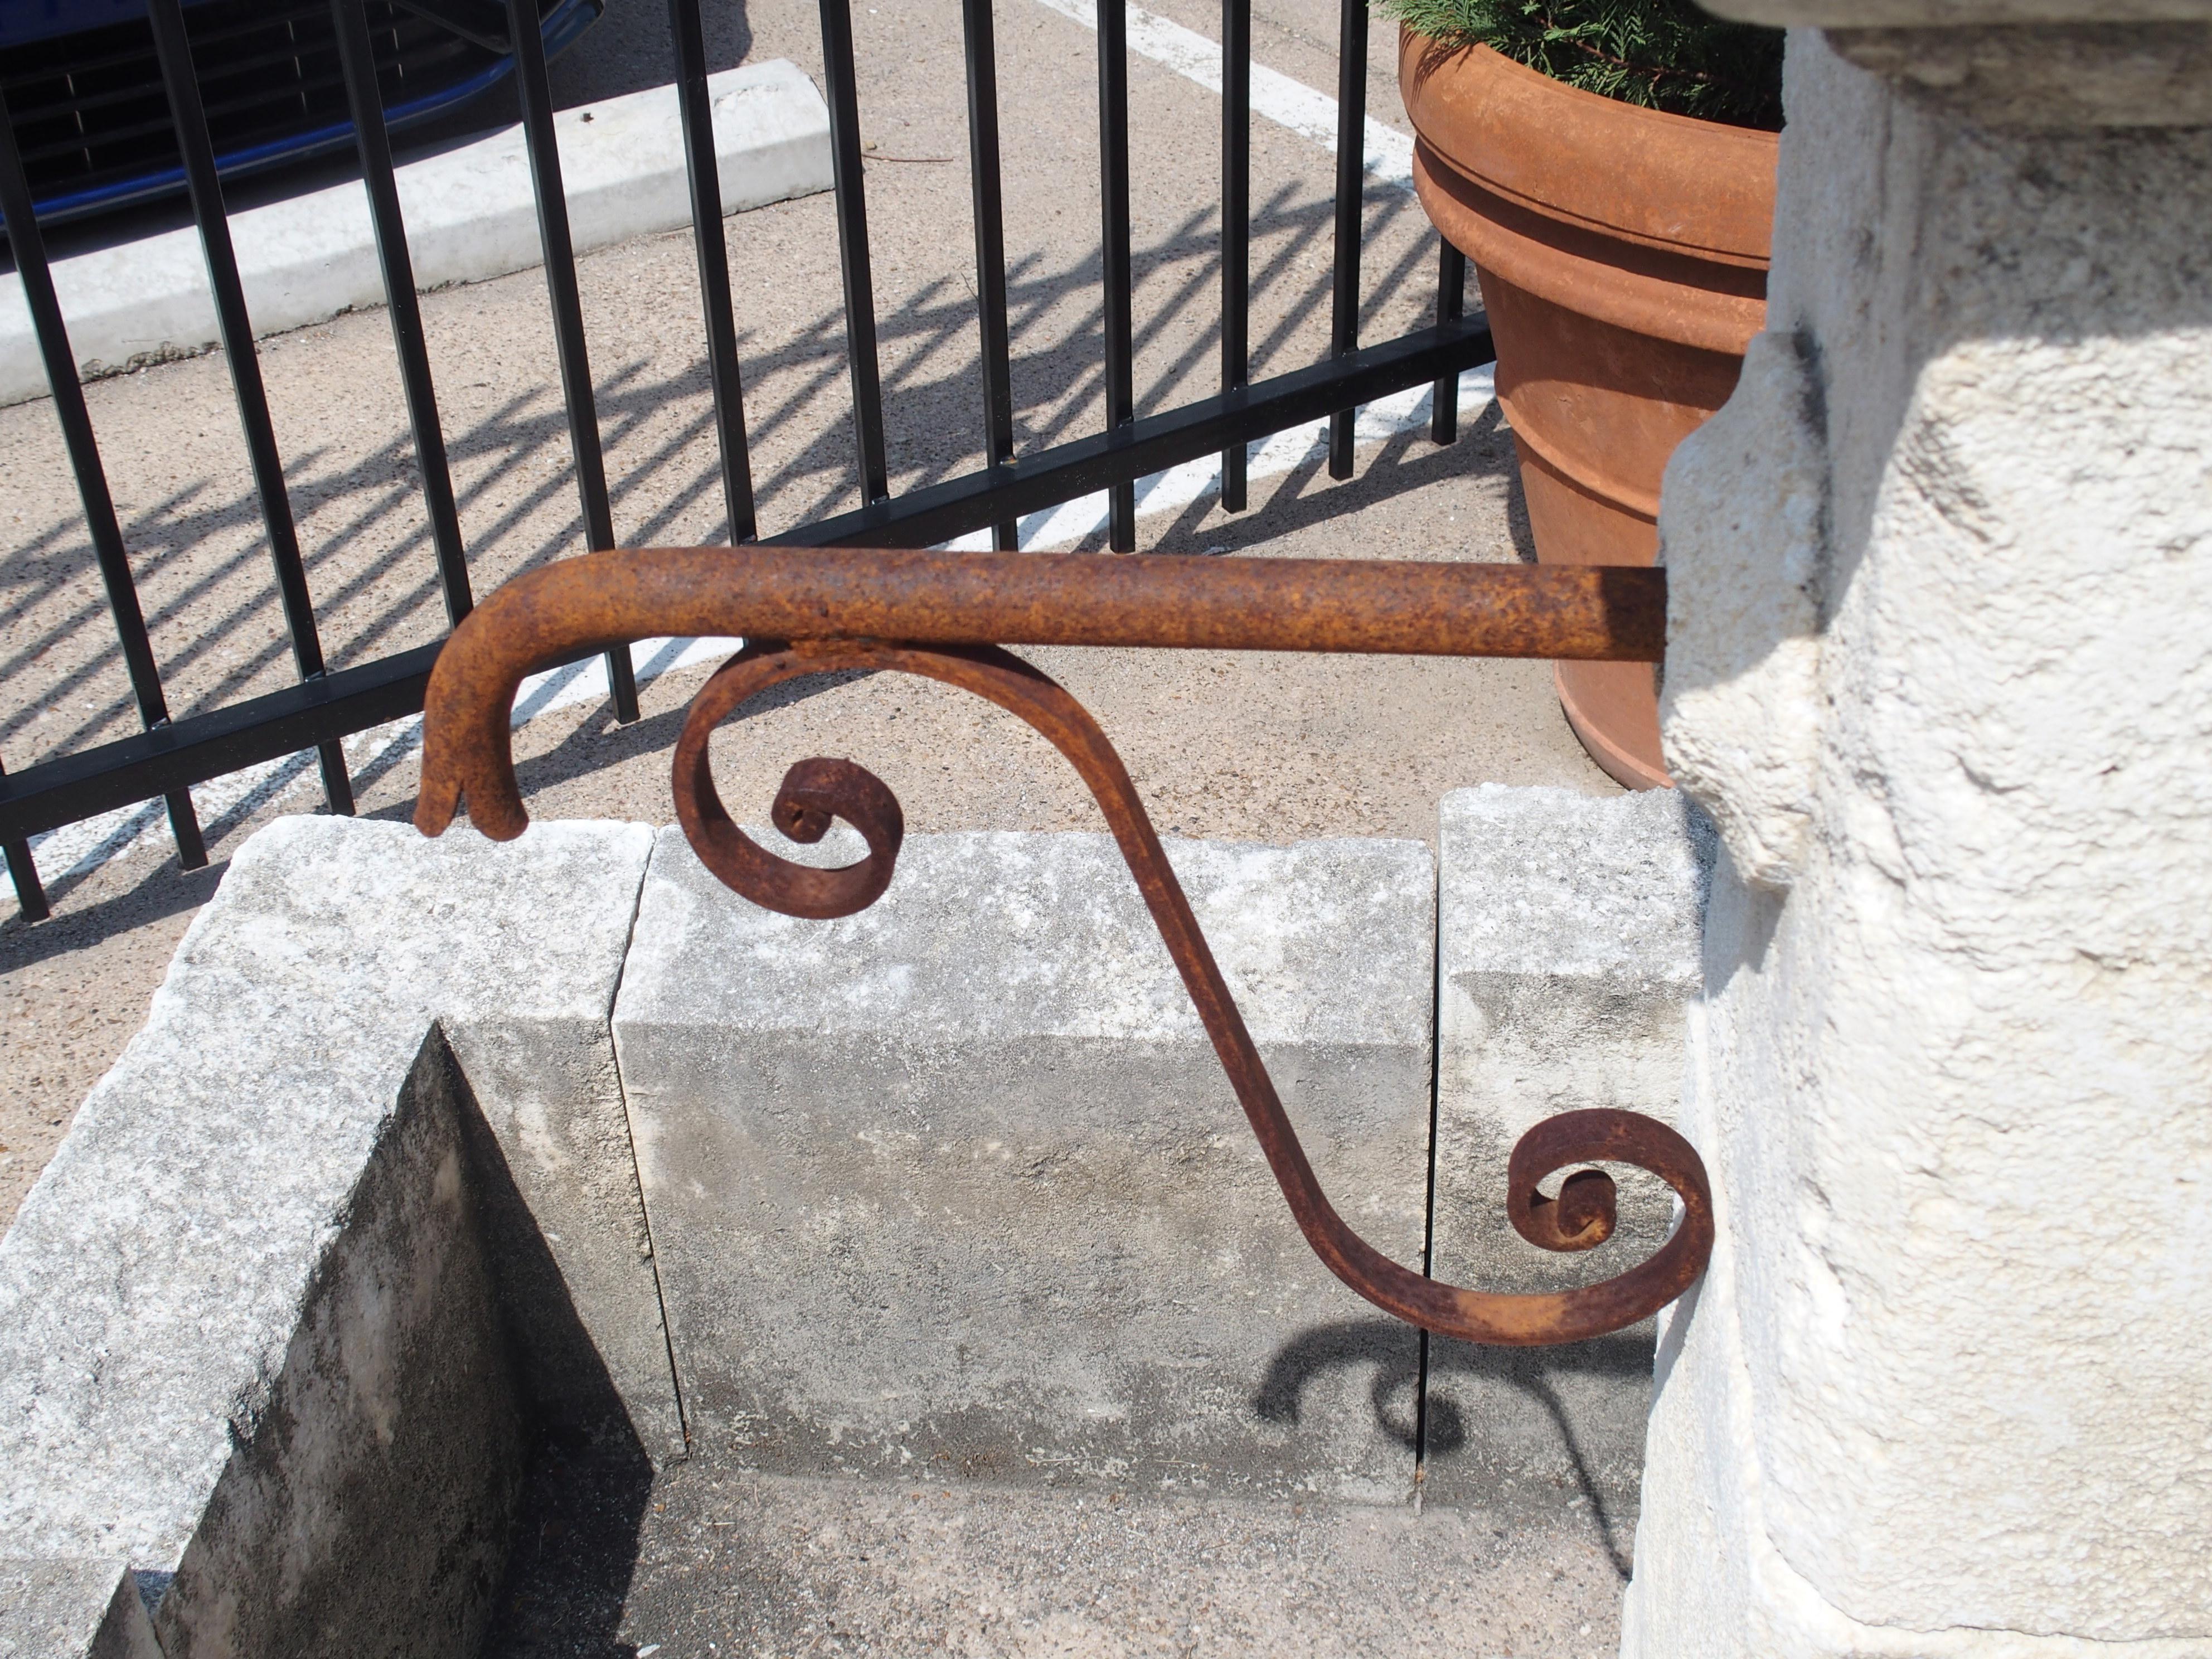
201 558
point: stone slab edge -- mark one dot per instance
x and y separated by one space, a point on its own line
1569 929
72 1609
156 1274
470 216
1570 942
1003 971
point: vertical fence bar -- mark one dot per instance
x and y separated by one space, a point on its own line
568 305
29 248
1235 226
853 247
358 61
701 168
1451 306
22 869
1114 240
173 49
1351 182
990 248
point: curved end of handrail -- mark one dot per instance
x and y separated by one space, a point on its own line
467 745
534 621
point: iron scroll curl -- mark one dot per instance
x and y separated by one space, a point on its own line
466 754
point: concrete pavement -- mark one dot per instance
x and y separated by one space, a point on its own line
1273 747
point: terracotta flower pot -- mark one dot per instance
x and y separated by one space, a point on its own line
1622 254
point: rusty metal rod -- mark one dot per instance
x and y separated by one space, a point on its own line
939 616
1605 613
599 601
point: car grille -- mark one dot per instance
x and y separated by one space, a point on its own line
90 113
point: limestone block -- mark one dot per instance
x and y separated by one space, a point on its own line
2038 64
72 1609
1568 931
1743 612
957 1186
1942 1391
252 1270
1956 14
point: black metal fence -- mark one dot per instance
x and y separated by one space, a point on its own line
169 755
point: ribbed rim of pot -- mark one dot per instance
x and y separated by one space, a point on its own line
1643 289
1665 181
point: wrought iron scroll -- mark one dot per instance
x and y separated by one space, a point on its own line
946 617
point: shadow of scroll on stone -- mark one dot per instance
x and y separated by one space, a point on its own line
1378 1345
1548 1436
1553 1436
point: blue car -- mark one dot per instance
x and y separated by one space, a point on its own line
93 120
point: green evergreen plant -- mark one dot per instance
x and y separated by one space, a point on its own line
1662 54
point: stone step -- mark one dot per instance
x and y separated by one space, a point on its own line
707 1561
958 1183
949 1205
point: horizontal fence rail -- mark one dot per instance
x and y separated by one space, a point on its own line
169 755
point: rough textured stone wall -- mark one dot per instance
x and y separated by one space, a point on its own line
1940 670
958 1183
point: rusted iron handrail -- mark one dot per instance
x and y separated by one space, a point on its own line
944 617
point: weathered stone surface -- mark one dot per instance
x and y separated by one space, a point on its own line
2037 64
364 1508
958 1183
2072 74
1568 949
716 1558
259 1227
1942 1393
72 1609
1933 16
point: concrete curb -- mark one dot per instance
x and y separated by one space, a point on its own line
1569 929
956 1184
470 216
1387 155
247 1300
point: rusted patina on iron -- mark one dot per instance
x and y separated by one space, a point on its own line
1400 607
837 609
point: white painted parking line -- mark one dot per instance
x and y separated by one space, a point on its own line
1286 452
1288 103
1389 160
